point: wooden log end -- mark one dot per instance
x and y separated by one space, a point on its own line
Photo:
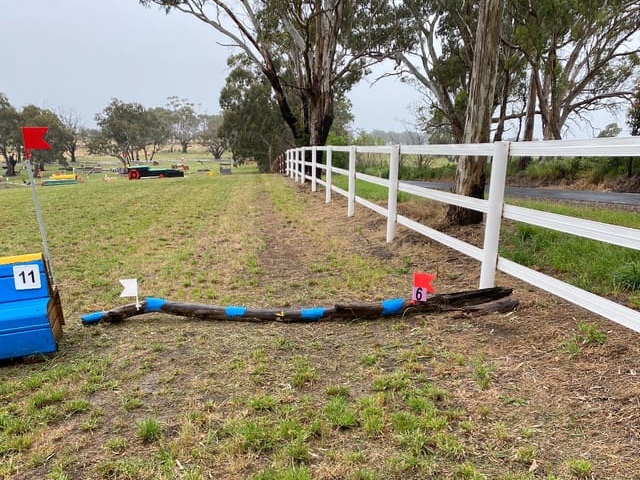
501 305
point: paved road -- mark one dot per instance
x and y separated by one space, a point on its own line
548 193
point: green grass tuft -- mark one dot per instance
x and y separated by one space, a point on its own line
149 430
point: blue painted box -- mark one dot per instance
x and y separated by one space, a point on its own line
31 316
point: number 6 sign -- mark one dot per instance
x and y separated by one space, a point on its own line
422 286
26 277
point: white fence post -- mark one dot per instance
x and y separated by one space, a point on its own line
303 158
286 163
494 214
314 165
351 203
292 164
392 201
296 153
327 192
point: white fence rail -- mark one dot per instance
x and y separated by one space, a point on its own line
494 207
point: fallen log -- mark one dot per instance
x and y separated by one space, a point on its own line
486 300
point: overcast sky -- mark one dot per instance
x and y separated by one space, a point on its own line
78 54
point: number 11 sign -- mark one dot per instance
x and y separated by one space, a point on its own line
26 277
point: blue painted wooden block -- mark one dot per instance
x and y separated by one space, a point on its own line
31 316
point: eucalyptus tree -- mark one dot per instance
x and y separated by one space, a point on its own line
633 121
470 174
60 136
186 122
439 58
633 115
9 134
557 61
454 56
581 55
439 62
156 131
210 135
57 137
251 126
309 51
124 130
72 124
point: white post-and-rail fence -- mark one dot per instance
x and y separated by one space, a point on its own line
494 207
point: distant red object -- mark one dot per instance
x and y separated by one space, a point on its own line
33 139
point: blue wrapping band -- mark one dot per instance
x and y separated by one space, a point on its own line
154 304
312 313
94 317
392 306
235 311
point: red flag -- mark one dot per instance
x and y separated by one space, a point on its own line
424 280
33 139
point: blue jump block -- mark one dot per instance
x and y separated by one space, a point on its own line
31 316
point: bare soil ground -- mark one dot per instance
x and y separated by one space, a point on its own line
540 409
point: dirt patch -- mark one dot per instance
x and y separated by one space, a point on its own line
627 184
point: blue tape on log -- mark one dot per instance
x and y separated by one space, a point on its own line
312 313
94 317
154 304
235 311
392 306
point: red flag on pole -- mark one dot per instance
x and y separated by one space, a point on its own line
424 280
422 286
33 139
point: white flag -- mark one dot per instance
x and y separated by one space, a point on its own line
130 287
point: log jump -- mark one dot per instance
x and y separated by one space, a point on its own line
473 302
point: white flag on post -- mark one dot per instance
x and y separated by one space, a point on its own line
130 289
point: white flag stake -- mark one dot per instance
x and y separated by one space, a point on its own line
130 289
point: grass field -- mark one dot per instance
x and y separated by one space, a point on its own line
546 392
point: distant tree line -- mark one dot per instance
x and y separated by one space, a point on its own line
127 131
63 135
131 132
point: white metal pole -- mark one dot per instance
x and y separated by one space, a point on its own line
287 170
351 203
494 214
43 233
392 201
314 166
327 193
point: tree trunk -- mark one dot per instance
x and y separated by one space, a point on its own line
11 165
470 175
269 71
529 124
504 100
